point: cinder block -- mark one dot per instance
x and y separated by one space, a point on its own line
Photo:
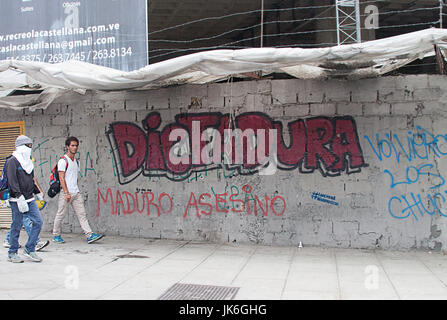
61 120
349 109
311 93
264 87
362 186
239 101
167 116
55 131
326 109
94 107
114 105
176 99
158 99
79 116
395 95
412 82
437 81
371 84
80 131
103 118
187 98
125 116
434 107
239 88
140 116
274 111
136 105
55 109
404 108
427 94
284 91
216 90
195 90
310 97
336 91
255 102
361 94
261 101
216 95
35 121
373 109
297 110
34 132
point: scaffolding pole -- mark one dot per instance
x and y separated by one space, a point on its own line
348 21
441 11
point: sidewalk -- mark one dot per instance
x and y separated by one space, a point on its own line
128 268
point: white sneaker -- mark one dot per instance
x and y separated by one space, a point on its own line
15 258
32 255
7 245
42 244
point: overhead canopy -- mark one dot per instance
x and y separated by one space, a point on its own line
353 61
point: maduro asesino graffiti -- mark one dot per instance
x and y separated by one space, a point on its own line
249 142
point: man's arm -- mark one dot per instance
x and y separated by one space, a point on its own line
36 185
64 185
13 181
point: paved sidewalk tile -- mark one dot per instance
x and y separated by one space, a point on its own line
133 269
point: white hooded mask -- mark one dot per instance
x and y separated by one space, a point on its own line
23 155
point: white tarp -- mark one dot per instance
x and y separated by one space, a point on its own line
353 61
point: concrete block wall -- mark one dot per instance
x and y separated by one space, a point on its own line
386 191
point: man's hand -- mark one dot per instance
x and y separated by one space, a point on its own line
39 196
67 197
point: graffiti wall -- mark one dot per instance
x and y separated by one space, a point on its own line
331 163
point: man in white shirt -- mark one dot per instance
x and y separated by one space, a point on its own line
68 169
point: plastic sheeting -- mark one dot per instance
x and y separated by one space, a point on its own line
353 61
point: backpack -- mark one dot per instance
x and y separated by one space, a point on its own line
4 179
55 184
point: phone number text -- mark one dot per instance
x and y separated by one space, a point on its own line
87 56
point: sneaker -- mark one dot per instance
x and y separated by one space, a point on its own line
42 244
32 255
7 245
94 237
58 239
14 258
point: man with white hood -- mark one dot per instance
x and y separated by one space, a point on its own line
21 182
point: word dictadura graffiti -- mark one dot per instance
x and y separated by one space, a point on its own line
194 143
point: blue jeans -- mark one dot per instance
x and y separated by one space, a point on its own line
27 223
17 222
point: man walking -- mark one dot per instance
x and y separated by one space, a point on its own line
28 225
68 169
21 182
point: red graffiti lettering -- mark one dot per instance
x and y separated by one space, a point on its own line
295 152
319 135
130 203
131 145
209 206
154 160
330 145
253 204
272 205
192 202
